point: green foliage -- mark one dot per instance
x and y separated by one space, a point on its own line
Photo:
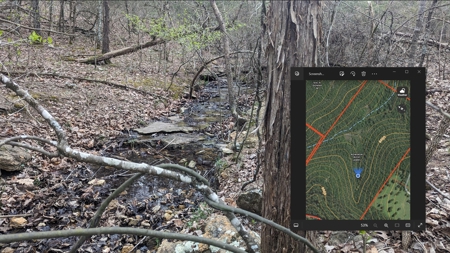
35 38
203 211
221 164
190 35
1 32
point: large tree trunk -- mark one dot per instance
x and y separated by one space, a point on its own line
294 34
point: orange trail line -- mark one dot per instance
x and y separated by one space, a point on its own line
334 123
315 130
385 182
392 88
313 216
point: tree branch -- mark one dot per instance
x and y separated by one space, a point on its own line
96 219
40 150
263 220
65 150
114 230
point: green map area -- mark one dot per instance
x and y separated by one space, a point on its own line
358 150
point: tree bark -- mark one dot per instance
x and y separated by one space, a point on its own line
294 35
105 38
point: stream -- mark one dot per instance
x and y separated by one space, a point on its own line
194 138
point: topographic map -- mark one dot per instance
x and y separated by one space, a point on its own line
358 150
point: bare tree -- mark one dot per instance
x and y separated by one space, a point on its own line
35 16
231 95
417 30
61 16
294 35
105 38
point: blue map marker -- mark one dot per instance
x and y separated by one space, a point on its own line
358 172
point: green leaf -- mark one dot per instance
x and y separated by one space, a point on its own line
50 40
1 32
362 232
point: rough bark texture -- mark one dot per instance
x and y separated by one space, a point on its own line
294 30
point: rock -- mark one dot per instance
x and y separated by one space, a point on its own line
227 151
8 250
218 227
157 127
17 222
251 201
12 158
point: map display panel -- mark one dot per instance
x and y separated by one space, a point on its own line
358 149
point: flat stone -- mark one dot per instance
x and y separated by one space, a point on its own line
12 158
163 127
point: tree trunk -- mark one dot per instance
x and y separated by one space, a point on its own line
105 39
228 72
415 38
294 34
36 17
99 24
72 17
61 16
50 17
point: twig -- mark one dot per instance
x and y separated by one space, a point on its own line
439 191
96 219
438 109
35 29
16 215
40 150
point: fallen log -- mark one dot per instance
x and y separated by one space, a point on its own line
100 58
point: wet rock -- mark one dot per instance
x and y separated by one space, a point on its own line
251 201
163 127
12 158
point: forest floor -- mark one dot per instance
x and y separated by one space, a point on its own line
58 193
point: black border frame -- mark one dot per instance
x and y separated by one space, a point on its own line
417 77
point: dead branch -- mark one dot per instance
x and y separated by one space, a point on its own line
114 230
204 66
65 150
35 29
112 84
115 53
263 220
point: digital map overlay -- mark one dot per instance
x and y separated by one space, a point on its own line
358 147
